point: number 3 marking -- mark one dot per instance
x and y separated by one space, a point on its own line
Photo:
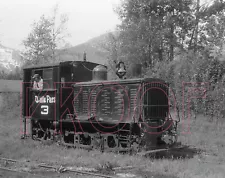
44 109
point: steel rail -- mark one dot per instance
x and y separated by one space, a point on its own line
21 172
61 169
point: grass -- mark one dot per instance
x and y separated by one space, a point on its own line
207 137
10 85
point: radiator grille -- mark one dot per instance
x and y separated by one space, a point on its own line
156 100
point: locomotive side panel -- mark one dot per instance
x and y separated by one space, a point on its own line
108 103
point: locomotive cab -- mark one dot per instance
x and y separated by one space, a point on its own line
46 106
40 104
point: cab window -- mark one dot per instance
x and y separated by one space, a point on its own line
47 76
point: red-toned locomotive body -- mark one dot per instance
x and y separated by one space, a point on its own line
79 107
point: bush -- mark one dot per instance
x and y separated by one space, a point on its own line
195 68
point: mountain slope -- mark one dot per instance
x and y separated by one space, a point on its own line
9 59
94 52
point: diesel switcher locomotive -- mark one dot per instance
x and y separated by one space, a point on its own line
77 106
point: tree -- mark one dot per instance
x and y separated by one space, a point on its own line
45 38
152 30
2 74
111 45
58 30
179 41
38 41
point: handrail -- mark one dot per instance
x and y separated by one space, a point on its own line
43 90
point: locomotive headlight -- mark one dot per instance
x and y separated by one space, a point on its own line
121 69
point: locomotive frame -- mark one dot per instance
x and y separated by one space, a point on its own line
79 107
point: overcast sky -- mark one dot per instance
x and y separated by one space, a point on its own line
87 18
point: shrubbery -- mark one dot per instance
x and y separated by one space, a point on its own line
197 70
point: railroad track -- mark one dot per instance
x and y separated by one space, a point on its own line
61 169
7 172
47 167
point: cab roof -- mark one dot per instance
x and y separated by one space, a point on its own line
56 64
